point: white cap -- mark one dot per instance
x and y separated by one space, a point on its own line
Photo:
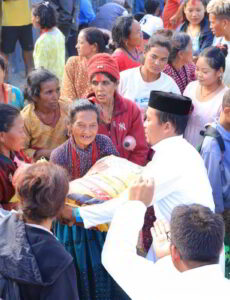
150 24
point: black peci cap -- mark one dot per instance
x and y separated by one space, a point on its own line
170 103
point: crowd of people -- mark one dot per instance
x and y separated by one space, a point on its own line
144 80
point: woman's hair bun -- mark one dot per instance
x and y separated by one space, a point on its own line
223 49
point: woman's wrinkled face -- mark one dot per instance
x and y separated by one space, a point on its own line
206 75
156 59
103 88
135 37
85 128
194 11
217 25
84 48
49 95
14 139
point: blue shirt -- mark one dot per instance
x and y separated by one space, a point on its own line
214 161
87 14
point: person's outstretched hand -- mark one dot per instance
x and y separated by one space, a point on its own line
161 238
143 190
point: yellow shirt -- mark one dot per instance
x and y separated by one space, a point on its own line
16 13
40 135
49 52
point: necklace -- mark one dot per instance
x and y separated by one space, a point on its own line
136 58
207 94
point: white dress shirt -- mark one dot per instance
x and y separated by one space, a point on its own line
143 280
180 178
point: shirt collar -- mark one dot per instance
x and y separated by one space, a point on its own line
167 142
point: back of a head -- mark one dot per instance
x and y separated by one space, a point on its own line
42 189
46 14
96 36
180 41
197 233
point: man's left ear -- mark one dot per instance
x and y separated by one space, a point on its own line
175 254
117 83
169 127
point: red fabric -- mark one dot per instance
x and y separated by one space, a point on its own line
124 62
170 9
76 159
103 62
126 120
7 169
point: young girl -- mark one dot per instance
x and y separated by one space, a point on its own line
197 25
49 50
12 137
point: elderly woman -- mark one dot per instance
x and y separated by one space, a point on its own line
77 155
137 83
75 83
32 256
219 17
127 38
85 146
180 65
119 117
45 116
206 92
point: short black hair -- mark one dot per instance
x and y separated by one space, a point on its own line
215 57
178 122
197 233
151 6
121 30
34 81
46 14
82 105
8 114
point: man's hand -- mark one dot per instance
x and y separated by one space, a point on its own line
142 190
161 238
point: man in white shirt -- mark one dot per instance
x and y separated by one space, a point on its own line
177 168
196 240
